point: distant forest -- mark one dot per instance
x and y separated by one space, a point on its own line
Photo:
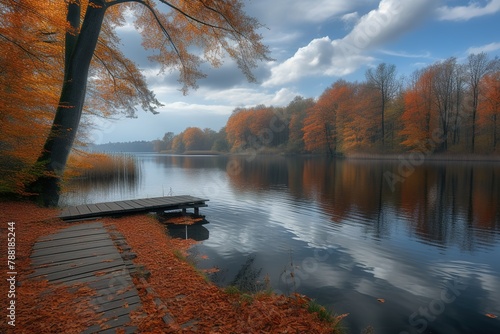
444 107
132 146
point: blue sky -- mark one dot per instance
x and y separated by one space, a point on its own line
314 43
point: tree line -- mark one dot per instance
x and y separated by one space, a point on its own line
446 107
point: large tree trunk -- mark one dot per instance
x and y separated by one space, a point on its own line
69 111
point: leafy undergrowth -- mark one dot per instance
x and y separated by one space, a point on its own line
198 306
39 308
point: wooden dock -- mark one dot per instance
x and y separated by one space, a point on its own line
88 254
155 204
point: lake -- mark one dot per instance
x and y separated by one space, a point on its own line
404 247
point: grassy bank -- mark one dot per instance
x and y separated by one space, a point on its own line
195 304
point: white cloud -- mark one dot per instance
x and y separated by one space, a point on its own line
183 107
321 56
464 13
320 10
248 97
285 12
350 19
324 57
390 20
404 54
484 48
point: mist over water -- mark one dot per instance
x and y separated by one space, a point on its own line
416 255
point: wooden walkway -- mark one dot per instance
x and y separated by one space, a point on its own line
156 204
88 254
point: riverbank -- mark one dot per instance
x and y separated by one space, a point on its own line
420 156
188 299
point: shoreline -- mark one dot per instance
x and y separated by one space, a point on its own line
193 303
437 157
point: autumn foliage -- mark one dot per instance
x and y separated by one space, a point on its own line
30 75
61 65
431 112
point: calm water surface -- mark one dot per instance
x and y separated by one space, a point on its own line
349 232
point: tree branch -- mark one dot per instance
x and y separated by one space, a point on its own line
31 54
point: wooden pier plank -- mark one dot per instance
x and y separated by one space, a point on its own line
76 255
66 241
133 204
87 262
104 207
71 234
122 206
93 208
165 203
83 209
74 211
70 247
67 257
113 206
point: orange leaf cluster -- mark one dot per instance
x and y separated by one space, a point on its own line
184 220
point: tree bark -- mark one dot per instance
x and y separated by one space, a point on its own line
65 125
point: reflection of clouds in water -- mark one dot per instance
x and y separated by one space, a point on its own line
358 259
467 271
354 258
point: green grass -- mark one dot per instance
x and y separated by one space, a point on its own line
326 316
232 290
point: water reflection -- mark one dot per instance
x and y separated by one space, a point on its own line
355 235
196 232
446 204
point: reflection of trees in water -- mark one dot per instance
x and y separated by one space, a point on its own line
192 162
250 173
439 202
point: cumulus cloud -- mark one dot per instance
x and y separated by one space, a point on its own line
464 13
484 48
247 97
323 56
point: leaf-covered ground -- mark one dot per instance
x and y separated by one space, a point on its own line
192 303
